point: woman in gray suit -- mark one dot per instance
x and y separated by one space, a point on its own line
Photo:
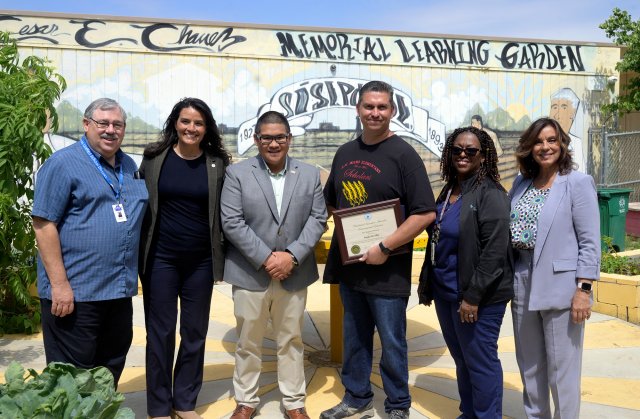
555 234
181 253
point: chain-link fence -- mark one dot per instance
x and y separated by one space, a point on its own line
619 166
594 161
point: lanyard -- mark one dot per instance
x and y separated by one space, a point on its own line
97 164
436 228
444 205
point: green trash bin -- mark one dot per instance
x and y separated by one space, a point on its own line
613 204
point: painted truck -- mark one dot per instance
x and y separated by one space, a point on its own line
313 75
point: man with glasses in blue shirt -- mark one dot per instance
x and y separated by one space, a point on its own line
273 214
87 213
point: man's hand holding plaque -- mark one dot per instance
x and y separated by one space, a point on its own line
360 228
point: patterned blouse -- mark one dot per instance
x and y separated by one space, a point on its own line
524 218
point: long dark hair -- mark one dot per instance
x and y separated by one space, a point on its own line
488 168
528 166
212 141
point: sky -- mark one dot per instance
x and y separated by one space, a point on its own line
561 20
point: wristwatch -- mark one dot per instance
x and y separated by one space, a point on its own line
384 249
293 258
584 287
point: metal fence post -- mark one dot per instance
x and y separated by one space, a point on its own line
604 166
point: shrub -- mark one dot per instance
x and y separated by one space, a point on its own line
28 89
611 263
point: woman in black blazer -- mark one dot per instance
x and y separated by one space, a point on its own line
468 268
181 253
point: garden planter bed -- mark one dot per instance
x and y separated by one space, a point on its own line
618 295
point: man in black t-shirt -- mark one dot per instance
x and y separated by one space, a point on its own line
377 166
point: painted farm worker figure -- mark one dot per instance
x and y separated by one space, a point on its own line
476 121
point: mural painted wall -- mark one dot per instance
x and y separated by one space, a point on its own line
313 77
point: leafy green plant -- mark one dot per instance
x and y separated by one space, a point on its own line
612 263
624 31
61 391
28 89
631 242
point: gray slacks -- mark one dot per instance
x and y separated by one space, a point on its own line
548 350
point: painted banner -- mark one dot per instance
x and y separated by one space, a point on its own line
261 41
299 101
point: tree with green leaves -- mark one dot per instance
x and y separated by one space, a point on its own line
625 32
28 89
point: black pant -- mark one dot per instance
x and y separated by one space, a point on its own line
190 278
96 333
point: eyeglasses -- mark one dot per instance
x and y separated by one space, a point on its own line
117 126
469 151
268 139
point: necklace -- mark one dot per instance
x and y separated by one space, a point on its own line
187 156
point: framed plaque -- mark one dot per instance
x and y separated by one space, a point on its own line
360 227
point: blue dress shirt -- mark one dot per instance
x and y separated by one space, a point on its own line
100 255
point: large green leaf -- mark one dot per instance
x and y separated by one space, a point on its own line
61 391
14 376
9 408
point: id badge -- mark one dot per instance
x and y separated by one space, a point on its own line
118 212
434 243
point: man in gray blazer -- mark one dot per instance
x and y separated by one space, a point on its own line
273 214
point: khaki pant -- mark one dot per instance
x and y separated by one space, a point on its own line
253 310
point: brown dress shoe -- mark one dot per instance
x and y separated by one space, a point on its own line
299 413
243 412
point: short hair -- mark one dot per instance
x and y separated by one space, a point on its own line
104 104
528 166
376 86
477 118
272 117
488 169
567 93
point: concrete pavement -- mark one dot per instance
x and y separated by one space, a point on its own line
610 380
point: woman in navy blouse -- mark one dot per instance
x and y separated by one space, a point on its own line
181 253
468 268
